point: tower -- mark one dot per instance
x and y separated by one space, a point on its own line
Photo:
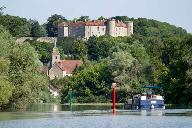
111 27
129 28
55 54
63 29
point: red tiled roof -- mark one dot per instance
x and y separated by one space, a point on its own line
92 23
95 23
69 65
81 23
120 24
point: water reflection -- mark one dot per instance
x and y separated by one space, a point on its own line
94 116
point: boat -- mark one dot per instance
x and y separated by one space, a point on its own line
150 98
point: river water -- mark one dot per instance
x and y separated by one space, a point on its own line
92 116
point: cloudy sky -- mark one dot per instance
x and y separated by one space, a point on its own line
176 12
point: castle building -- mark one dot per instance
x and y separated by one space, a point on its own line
61 68
95 28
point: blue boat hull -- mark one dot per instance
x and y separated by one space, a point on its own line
151 104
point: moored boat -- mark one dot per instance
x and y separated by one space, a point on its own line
148 99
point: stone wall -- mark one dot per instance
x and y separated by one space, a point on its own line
40 39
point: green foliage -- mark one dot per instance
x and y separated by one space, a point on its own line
20 79
52 23
176 57
121 18
5 86
43 49
149 27
73 48
149 57
93 79
101 18
99 48
36 29
18 27
83 18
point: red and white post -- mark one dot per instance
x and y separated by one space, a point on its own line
114 97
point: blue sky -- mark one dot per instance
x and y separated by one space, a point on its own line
176 12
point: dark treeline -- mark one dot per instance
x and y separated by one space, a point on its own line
157 54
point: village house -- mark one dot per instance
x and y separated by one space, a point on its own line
61 68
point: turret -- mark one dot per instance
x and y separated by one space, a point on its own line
55 54
129 28
62 29
111 27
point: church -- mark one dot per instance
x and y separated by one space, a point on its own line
61 68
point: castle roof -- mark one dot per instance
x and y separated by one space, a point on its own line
120 24
69 65
92 23
95 23
81 23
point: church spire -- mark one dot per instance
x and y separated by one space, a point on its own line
55 54
55 45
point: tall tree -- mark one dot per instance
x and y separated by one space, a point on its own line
52 23
83 18
18 27
36 29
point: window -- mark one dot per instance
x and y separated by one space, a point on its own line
97 28
56 57
103 29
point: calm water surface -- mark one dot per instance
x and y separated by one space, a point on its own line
90 116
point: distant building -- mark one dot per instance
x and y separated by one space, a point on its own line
62 68
95 28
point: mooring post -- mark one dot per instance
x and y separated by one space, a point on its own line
70 99
114 97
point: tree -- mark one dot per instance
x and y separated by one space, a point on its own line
1 10
18 27
73 48
21 82
5 85
101 18
90 80
43 49
52 23
83 18
36 29
99 47
121 18
25 76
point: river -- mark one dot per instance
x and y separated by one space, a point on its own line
94 116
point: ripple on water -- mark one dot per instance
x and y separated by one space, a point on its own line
177 118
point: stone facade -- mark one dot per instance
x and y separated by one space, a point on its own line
95 28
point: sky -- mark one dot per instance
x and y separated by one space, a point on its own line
176 12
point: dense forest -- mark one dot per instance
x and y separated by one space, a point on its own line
157 54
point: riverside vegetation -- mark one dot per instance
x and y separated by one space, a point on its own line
157 54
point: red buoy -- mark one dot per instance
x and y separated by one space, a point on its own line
114 97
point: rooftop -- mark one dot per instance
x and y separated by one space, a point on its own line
69 65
